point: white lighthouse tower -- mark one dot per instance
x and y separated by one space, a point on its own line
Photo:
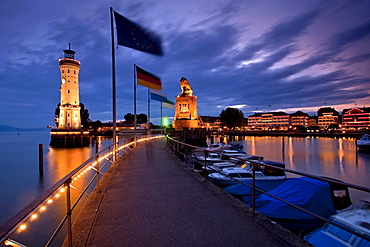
69 114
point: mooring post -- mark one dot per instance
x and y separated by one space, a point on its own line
41 159
96 145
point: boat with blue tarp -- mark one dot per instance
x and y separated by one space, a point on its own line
239 190
310 194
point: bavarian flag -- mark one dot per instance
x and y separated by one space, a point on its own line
132 35
146 79
162 97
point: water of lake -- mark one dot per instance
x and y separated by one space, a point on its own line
21 182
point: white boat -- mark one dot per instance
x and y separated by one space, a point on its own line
364 143
199 160
356 219
232 162
231 175
211 157
217 167
216 161
219 146
227 154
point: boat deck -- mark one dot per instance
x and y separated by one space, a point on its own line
150 199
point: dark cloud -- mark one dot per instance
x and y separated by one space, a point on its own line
306 57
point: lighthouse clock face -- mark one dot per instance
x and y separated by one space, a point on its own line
63 81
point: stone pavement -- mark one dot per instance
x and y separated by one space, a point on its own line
150 199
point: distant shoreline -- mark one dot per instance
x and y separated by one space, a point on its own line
22 130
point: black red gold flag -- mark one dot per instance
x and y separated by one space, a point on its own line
146 79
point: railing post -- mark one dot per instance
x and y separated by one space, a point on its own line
205 166
115 150
253 187
97 173
69 212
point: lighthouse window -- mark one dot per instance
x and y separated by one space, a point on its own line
68 70
68 115
69 91
74 72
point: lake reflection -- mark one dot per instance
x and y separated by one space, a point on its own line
61 161
21 182
330 157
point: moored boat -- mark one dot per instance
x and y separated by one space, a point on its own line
231 175
313 195
356 219
363 144
199 159
241 190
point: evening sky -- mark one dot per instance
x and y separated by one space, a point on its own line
259 56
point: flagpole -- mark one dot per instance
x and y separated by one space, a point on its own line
113 82
161 117
135 119
148 112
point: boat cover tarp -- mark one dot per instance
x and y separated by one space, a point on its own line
311 194
241 189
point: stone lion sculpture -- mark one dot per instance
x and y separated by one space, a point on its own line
185 87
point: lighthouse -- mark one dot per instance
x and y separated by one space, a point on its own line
69 108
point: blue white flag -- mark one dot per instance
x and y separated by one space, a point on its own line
162 97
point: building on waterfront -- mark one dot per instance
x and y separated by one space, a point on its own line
300 119
356 119
186 113
312 121
69 107
210 123
269 121
327 116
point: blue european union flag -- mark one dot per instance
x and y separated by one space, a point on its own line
136 37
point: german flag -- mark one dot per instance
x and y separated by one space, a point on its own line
146 79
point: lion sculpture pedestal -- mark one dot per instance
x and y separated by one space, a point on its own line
186 114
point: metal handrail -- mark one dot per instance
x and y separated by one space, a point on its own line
173 149
102 159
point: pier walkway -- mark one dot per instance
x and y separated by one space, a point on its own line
150 199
